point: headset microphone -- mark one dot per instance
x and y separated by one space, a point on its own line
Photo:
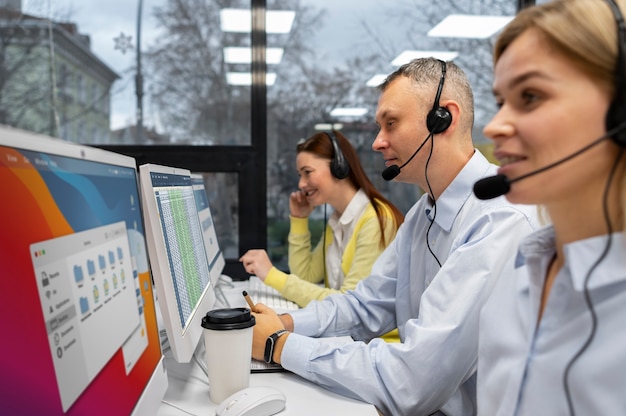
492 187
394 170
391 172
498 185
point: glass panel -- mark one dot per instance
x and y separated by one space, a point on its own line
190 83
337 53
139 72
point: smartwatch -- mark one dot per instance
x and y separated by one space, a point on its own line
268 356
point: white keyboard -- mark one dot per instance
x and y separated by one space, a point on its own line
267 295
257 366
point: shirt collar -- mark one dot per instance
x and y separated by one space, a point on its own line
538 243
584 254
354 209
458 191
580 256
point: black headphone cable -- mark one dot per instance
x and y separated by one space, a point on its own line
430 192
586 293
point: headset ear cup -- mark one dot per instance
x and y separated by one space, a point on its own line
616 114
339 166
613 121
438 120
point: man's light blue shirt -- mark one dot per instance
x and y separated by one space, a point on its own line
435 309
521 364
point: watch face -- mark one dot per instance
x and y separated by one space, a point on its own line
269 346
269 349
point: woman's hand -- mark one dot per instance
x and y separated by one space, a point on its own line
299 206
257 262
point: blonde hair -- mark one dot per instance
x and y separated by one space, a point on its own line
585 32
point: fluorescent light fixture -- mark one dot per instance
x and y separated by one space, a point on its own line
469 26
245 78
243 55
407 56
376 80
348 112
240 20
328 126
279 21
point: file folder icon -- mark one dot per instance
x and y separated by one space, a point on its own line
84 305
91 267
102 262
78 274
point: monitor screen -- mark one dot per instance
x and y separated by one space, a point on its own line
80 329
179 262
211 246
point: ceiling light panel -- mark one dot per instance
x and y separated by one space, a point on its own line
376 80
348 112
240 20
243 55
408 56
245 78
469 26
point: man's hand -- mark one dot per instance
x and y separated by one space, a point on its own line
267 322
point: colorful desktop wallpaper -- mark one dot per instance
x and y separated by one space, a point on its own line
45 197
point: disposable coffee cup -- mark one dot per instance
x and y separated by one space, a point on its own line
228 345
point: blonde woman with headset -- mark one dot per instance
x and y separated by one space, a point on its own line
552 338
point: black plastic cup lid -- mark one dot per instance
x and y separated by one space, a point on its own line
228 318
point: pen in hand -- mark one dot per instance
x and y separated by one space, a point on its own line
249 300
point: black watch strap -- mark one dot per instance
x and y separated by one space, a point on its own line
268 356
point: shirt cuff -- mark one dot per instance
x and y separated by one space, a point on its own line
299 351
305 321
276 279
299 225
296 353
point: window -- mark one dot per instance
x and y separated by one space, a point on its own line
187 87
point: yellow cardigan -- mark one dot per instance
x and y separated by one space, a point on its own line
307 266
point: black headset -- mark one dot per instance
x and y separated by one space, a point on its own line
616 114
439 118
339 166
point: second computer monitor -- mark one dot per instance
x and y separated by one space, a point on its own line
180 268
212 248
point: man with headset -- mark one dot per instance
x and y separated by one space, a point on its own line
430 282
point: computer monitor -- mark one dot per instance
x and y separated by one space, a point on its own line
180 268
211 245
79 325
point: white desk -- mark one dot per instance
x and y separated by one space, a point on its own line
189 389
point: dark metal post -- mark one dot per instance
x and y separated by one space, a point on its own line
139 79
522 4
